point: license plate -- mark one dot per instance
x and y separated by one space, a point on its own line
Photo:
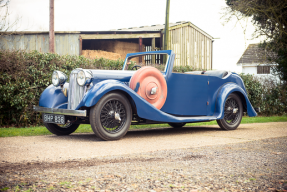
52 118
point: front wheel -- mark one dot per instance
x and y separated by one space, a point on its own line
66 129
111 117
233 112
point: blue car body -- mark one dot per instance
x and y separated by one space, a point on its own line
191 96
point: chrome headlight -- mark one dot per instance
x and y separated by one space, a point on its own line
58 78
84 77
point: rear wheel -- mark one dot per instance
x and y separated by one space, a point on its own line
66 129
111 117
177 125
233 112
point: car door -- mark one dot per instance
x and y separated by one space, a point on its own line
187 94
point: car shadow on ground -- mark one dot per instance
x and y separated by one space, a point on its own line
170 131
142 133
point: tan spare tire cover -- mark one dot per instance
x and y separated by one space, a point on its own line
150 79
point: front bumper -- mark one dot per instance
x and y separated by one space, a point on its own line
69 112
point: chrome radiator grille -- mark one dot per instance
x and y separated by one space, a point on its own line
76 92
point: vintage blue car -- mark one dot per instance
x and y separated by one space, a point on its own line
145 91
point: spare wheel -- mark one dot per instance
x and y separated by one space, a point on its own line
150 84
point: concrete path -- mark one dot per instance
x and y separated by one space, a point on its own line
84 146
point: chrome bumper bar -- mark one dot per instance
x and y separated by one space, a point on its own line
79 113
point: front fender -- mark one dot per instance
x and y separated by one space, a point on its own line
100 89
53 97
222 95
144 109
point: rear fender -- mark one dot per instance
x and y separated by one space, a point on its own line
224 92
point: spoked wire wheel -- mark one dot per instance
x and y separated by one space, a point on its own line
233 112
113 116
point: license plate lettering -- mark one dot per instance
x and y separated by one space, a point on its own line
52 118
59 119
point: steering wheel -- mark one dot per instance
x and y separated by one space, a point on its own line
137 67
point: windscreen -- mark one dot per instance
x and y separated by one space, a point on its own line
158 61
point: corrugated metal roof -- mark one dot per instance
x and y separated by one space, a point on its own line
158 27
39 32
253 54
151 28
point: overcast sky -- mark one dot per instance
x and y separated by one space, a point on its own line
95 15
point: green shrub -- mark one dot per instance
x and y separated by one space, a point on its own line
266 93
182 69
24 76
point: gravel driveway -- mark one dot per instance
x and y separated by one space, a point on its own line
252 158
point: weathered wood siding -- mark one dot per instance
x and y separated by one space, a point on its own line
191 47
64 43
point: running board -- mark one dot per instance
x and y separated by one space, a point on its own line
193 119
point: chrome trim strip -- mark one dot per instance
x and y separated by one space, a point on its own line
79 113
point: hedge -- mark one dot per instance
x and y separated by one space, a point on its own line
24 76
268 93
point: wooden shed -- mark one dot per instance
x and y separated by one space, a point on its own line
192 45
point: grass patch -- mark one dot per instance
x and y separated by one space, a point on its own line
34 131
4 189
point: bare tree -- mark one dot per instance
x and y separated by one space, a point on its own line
268 16
5 23
270 20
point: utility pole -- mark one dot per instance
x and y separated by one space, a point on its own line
51 28
166 30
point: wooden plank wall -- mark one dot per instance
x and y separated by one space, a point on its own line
191 48
64 43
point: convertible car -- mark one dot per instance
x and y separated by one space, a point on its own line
145 91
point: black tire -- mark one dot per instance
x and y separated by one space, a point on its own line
61 130
103 116
177 125
232 118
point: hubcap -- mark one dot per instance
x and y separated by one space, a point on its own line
235 110
153 91
117 117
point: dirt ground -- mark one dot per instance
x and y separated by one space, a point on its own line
53 148
251 158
